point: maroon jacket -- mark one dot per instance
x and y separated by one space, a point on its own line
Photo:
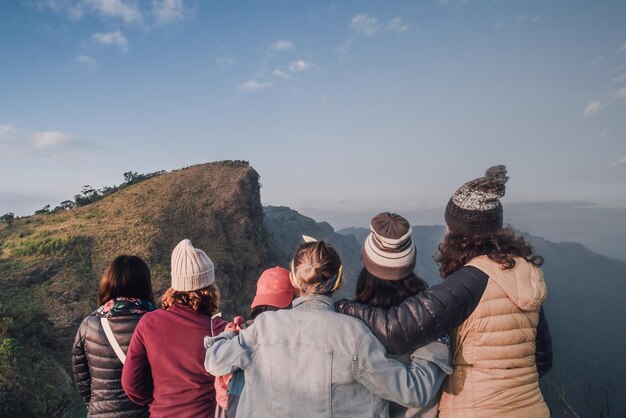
165 363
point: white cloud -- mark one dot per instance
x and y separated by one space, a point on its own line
126 11
6 131
116 38
86 60
453 2
623 48
48 139
282 45
300 66
137 12
168 11
16 142
253 85
396 24
616 164
597 60
621 94
278 73
605 133
225 60
536 19
592 107
364 24
619 79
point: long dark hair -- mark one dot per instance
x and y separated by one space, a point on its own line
126 276
456 250
386 293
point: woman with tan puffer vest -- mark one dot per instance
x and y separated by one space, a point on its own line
502 348
502 344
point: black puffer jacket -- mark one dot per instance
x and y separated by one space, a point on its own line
420 319
543 342
98 371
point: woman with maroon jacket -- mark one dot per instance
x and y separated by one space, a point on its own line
164 364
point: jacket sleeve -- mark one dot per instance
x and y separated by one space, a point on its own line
543 342
136 374
412 385
422 318
228 352
80 367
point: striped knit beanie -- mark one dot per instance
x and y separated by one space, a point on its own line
388 251
475 208
192 269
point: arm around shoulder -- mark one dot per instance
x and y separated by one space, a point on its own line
422 318
229 351
412 385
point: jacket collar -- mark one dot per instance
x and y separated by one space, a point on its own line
319 302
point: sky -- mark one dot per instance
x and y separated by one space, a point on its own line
344 108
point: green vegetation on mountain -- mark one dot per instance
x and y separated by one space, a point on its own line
51 264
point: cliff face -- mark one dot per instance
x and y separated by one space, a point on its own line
51 264
285 228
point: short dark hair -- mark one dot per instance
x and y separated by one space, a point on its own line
127 276
374 291
258 310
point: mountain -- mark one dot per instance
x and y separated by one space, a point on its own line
587 318
51 264
285 227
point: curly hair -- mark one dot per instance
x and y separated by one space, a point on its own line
206 300
456 250
386 293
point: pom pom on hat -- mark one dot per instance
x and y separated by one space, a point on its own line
475 208
388 251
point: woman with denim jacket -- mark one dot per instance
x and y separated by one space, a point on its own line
311 361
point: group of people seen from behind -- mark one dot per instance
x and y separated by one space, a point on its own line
473 345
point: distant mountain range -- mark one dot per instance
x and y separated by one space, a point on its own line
585 309
50 266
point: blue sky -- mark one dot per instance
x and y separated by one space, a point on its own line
344 108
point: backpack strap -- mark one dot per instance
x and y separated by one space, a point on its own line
114 344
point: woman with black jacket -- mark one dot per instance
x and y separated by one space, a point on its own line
98 354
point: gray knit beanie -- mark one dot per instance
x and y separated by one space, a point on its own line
388 251
475 208
192 269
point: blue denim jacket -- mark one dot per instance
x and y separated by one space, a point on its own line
311 361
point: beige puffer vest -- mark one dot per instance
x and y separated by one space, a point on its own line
494 349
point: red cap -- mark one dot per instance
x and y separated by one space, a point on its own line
274 289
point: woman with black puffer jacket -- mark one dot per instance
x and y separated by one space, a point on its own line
98 354
503 345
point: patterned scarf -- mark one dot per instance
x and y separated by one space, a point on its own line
121 306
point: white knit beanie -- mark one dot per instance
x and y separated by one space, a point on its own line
192 269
